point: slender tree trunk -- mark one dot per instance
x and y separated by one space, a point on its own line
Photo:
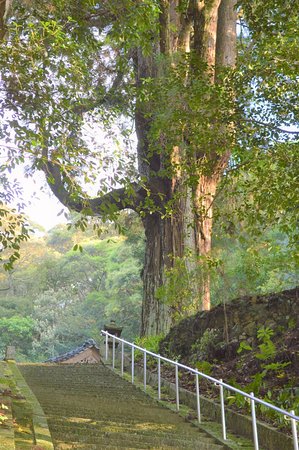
215 42
4 9
204 197
2 12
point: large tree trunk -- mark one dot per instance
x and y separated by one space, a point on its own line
166 238
214 43
155 314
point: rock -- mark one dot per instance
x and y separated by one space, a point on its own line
244 316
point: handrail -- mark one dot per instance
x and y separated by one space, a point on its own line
197 373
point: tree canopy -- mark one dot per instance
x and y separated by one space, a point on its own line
206 108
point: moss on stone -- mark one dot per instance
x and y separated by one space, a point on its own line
88 406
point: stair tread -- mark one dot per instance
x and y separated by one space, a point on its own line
88 407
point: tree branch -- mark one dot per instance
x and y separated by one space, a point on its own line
109 98
273 127
98 206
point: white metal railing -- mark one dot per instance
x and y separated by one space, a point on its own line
253 400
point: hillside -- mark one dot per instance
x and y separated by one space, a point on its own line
252 343
67 285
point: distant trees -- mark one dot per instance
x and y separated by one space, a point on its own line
17 331
53 300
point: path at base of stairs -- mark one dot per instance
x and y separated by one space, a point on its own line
89 407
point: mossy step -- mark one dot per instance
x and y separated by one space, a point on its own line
107 446
62 430
152 434
31 428
116 427
123 416
6 428
140 442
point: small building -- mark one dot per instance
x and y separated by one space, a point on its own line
87 353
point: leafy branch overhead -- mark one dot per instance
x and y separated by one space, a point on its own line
161 107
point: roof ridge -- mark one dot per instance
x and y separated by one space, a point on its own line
89 343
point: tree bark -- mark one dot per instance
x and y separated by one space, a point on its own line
166 238
2 15
155 314
204 197
216 44
213 24
5 6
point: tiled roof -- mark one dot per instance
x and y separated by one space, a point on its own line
90 343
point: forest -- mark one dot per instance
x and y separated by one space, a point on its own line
169 129
68 283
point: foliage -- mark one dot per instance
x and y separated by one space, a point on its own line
177 102
180 288
258 385
68 296
62 76
17 331
247 266
238 266
266 346
244 346
14 230
264 193
266 163
204 367
206 344
150 343
3 418
177 290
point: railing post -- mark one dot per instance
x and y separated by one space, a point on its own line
177 387
132 370
144 370
113 352
106 347
122 359
254 425
222 411
197 398
294 432
159 378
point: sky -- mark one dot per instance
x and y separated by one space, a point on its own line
43 207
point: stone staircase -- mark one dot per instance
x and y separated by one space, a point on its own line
89 407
